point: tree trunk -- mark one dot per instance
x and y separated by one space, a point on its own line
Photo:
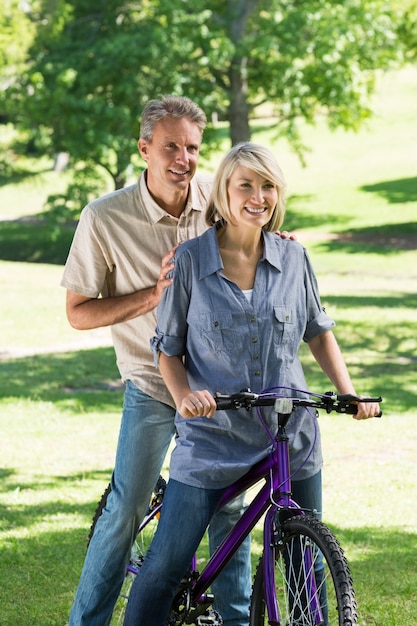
239 108
119 180
239 12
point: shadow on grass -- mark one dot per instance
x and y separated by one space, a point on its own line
395 191
296 218
84 379
27 515
42 484
394 301
386 239
34 241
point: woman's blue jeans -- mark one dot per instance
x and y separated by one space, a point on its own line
147 428
185 515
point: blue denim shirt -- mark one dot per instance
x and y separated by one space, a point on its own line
229 344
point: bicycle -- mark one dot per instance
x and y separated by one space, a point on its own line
302 578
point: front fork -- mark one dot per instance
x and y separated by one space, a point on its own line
272 534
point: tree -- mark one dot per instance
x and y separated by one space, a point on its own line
407 27
300 57
84 82
94 64
16 36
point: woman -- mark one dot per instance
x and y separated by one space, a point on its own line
240 303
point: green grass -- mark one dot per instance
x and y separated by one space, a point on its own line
354 207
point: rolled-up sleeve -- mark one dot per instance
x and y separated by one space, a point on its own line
318 325
171 346
171 329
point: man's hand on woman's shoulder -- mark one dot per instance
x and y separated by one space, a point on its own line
284 234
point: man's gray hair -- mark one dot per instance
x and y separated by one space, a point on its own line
170 106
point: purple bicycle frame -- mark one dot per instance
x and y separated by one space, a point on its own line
277 466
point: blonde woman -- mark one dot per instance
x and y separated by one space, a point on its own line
241 301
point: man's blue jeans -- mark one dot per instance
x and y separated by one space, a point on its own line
146 431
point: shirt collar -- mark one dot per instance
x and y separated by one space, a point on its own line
211 261
273 249
209 255
154 211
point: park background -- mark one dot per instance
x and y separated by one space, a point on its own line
353 204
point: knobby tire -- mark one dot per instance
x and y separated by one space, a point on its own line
297 534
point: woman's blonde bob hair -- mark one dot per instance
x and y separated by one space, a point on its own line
259 160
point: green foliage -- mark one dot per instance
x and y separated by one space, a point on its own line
16 36
92 68
407 28
62 208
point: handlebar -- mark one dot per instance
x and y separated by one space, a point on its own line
340 403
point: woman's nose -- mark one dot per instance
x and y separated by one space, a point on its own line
258 195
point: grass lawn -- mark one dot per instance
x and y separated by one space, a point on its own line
354 206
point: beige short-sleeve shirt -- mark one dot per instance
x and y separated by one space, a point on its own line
117 249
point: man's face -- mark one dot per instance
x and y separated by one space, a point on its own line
172 155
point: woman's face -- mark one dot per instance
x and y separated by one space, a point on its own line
252 198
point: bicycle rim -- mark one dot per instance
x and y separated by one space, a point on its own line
307 556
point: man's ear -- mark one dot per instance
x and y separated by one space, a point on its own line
143 149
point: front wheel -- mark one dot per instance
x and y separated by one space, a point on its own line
310 570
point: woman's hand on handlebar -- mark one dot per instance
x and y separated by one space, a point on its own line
197 404
367 410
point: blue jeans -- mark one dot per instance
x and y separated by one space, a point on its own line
308 493
146 431
185 516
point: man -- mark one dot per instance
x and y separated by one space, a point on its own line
115 275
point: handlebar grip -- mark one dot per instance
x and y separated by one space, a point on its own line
224 404
352 409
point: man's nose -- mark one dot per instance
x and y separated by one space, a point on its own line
182 155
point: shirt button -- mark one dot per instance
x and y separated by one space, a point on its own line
182 235
215 324
254 340
256 357
252 319
257 373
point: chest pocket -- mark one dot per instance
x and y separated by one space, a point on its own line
283 325
217 330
